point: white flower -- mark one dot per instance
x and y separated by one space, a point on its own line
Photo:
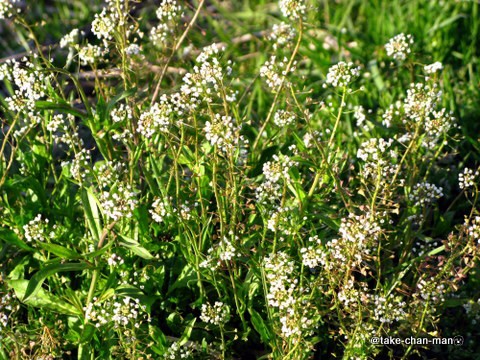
122 112
132 49
222 132
292 9
468 178
282 34
283 118
433 68
6 7
218 314
398 47
71 39
103 26
35 229
156 118
159 210
342 74
168 10
425 193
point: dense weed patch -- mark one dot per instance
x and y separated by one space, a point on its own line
238 180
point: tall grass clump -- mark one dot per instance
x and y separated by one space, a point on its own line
237 180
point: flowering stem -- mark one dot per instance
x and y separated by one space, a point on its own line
337 121
287 70
175 49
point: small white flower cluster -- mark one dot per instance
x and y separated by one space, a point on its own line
222 132
388 115
433 68
430 290
436 125
421 101
351 294
119 202
113 16
217 314
360 116
378 156
168 10
421 248
468 178
121 112
177 351
71 39
297 324
156 118
388 309
310 139
278 168
207 78
274 171
424 194
6 8
472 229
115 260
419 109
294 315
30 83
227 250
110 173
121 312
292 9
168 13
223 251
6 307
282 34
136 279
359 237
132 49
398 47
103 26
281 220
312 255
275 72
56 123
80 165
35 229
90 54
66 131
283 118
160 210
342 74
279 270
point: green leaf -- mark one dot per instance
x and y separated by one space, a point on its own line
60 251
42 299
135 247
91 211
35 283
260 326
87 333
121 96
11 238
65 108
187 332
